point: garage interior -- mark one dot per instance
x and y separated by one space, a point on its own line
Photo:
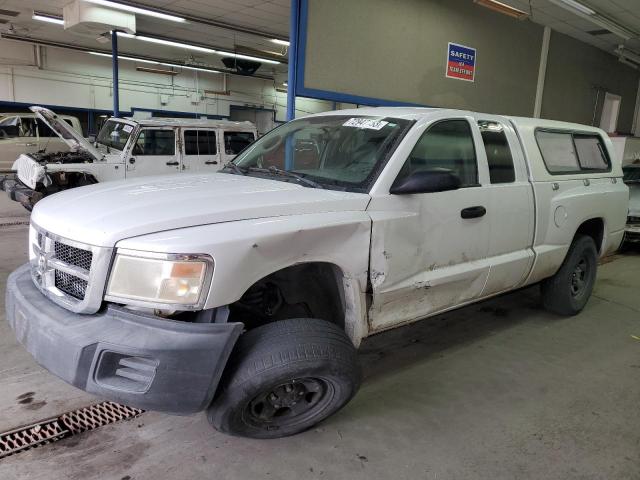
496 389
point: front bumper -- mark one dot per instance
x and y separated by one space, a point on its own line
632 232
19 192
124 356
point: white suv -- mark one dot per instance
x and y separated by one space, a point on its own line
26 133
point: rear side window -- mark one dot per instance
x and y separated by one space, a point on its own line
235 142
446 145
155 142
568 152
590 152
200 142
498 152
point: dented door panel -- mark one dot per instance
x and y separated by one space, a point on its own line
425 258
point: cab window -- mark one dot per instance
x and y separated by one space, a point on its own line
498 152
235 142
155 142
447 145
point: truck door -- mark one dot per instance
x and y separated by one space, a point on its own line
510 210
200 150
154 153
429 250
233 142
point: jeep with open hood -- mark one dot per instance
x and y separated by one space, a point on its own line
124 149
245 293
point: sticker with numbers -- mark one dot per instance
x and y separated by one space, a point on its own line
127 128
369 123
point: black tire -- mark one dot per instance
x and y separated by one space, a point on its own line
285 377
568 291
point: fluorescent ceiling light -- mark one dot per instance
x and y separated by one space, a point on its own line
574 5
143 60
141 11
628 54
124 57
186 67
248 57
172 43
595 18
280 42
502 8
43 17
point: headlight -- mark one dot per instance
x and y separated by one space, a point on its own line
159 280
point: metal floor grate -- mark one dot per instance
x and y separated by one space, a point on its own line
66 425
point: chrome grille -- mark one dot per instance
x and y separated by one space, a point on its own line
73 256
71 285
69 273
633 220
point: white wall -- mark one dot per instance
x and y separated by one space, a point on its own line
76 79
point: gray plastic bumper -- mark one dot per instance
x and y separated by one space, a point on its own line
127 357
19 192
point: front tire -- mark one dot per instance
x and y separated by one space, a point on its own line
285 377
568 291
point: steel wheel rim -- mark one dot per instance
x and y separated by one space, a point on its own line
289 403
579 277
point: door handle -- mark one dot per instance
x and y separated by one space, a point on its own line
214 162
473 212
173 164
31 144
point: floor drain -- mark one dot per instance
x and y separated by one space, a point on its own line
66 425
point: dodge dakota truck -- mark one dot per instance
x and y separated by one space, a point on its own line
124 148
247 292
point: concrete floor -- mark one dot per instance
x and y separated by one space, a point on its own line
497 390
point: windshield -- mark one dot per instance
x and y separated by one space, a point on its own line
114 134
341 152
631 174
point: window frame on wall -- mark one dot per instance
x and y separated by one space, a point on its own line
573 134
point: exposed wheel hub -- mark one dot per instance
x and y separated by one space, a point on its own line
579 277
288 401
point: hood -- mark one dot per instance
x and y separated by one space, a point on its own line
66 132
106 213
634 199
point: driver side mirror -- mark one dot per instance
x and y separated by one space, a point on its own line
426 181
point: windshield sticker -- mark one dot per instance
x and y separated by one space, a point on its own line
127 128
369 123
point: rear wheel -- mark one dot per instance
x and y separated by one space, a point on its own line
284 378
568 291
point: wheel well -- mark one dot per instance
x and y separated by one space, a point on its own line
594 228
310 290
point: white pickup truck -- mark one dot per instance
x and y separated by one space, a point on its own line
125 148
247 292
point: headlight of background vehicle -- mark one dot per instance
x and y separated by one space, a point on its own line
157 280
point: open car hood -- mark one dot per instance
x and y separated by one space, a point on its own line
66 132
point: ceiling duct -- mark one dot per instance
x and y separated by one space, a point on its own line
90 19
242 66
